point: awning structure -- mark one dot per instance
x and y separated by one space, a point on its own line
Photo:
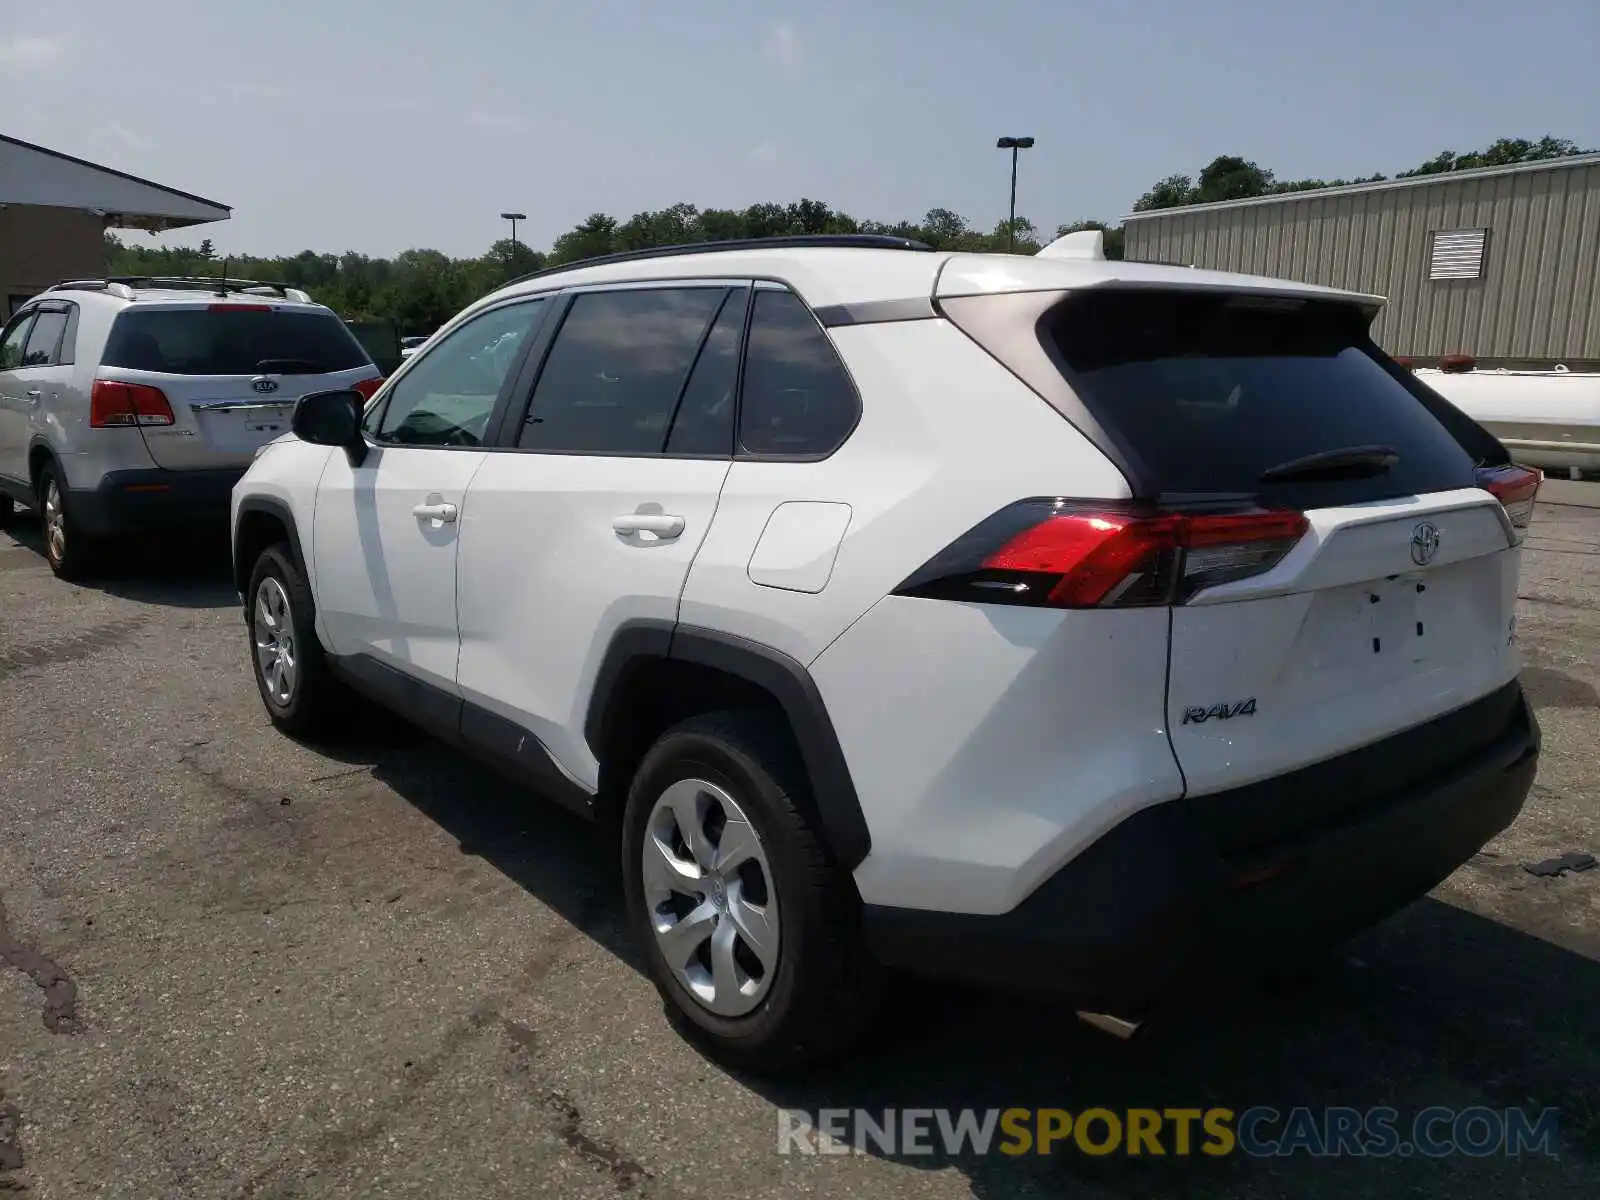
31 174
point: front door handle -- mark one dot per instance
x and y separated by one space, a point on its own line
33 395
442 512
661 524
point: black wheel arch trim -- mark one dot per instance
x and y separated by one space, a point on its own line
279 511
844 825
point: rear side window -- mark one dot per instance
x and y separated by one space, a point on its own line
798 401
619 363
45 339
232 340
1209 393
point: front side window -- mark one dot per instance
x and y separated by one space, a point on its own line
11 347
446 399
44 340
798 399
617 369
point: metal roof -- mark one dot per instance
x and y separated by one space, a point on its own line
47 178
1383 185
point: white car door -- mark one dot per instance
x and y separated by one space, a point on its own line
15 403
386 530
596 517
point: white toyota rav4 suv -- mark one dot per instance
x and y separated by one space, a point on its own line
1048 622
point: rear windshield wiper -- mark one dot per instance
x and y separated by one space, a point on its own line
290 366
1350 462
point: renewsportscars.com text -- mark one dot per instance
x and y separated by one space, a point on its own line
1258 1132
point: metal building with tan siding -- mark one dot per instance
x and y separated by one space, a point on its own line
1501 263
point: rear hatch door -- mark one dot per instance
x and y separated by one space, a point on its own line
231 372
1394 605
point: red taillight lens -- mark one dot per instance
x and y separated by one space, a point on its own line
367 387
1069 555
113 403
1516 488
238 308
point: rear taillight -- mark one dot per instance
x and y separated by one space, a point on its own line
113 404
238 308
1073 554
1516 488
367 387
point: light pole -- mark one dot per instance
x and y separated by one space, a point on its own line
513 218
1016 145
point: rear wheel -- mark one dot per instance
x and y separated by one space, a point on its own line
7 507
71 553
751 930
290 669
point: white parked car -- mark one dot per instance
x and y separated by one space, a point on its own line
134 405
1549 419
1048 622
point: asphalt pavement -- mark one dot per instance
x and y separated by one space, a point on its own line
232 965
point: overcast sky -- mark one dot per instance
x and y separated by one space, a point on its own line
377 125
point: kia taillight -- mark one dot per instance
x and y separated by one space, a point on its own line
367 387
1075 554
113 404
1516 488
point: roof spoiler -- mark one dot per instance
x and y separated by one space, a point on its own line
1086 243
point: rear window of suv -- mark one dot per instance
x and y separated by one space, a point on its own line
232 341
1209 392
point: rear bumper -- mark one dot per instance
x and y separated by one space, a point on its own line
1206 882
151 501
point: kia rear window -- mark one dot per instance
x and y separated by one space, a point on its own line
232 341
1285 399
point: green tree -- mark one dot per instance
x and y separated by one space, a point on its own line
1172 192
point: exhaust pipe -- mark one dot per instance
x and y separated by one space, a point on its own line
1118 1027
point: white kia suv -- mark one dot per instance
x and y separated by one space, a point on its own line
133 405
1049 622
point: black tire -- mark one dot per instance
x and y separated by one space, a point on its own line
8 506
315 699
77 556
825 988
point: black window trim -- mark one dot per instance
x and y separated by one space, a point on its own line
502 398
517 414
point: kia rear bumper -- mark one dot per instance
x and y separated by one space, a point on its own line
154 501
1220 880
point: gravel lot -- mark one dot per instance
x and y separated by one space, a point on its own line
231 965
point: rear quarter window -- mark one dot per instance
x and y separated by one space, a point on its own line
1207 392
232 341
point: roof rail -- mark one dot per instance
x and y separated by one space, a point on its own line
114 287
125 286
855 241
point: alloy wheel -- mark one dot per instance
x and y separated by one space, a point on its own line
273 631
55 520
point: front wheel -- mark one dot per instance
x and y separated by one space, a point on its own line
751 930
290 669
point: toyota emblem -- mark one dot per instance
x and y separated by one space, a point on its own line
1424 543
264 385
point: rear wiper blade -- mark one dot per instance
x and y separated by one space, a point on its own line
1350 462
290 366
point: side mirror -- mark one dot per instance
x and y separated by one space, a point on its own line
332 419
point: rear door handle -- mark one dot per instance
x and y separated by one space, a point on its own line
33 395
661 524
435 512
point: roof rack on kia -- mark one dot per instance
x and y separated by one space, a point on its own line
126 286
810 241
